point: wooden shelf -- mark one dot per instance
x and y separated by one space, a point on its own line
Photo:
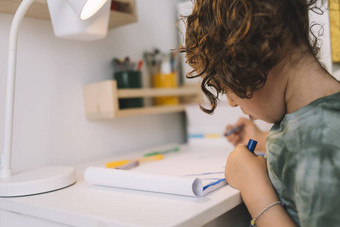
101 100
39 10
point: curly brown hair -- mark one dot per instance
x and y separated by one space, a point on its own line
233 44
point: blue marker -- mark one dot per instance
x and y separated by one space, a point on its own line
251 145
233 130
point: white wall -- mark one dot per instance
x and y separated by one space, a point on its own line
50 125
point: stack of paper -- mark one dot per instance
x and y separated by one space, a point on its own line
189 186
187 172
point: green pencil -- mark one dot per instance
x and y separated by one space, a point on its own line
174 149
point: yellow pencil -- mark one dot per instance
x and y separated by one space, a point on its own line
117 164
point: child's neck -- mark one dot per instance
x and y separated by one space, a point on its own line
306 81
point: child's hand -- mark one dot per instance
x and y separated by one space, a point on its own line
249 131
248 173
244 169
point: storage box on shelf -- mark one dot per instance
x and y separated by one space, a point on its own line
101 99
39 10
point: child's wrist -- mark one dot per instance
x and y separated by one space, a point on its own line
256 186
253 221
258 195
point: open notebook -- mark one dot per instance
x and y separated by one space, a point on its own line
187 172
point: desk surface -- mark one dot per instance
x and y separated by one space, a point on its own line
86 205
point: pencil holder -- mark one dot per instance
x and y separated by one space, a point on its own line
129 79
168 80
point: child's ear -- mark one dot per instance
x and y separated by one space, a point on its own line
231 101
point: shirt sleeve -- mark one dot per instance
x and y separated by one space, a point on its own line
317 187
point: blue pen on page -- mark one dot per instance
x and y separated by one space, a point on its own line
251 145
233 130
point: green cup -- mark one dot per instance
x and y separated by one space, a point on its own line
129 79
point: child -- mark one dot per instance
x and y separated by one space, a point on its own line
260 54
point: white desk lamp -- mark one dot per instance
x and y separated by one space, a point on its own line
75 19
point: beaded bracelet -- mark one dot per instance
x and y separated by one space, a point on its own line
252 222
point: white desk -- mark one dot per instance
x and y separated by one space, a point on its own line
85 205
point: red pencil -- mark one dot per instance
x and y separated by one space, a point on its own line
140 64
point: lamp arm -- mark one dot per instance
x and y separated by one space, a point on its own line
5 170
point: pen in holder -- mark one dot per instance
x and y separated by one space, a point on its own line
129 79
163 67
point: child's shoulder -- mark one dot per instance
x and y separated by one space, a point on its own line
311 129
318 111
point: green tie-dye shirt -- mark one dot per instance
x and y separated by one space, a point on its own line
303 160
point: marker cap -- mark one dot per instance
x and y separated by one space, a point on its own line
251 145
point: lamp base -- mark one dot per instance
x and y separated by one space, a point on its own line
37 181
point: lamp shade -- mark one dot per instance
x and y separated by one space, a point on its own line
80 19
86 8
